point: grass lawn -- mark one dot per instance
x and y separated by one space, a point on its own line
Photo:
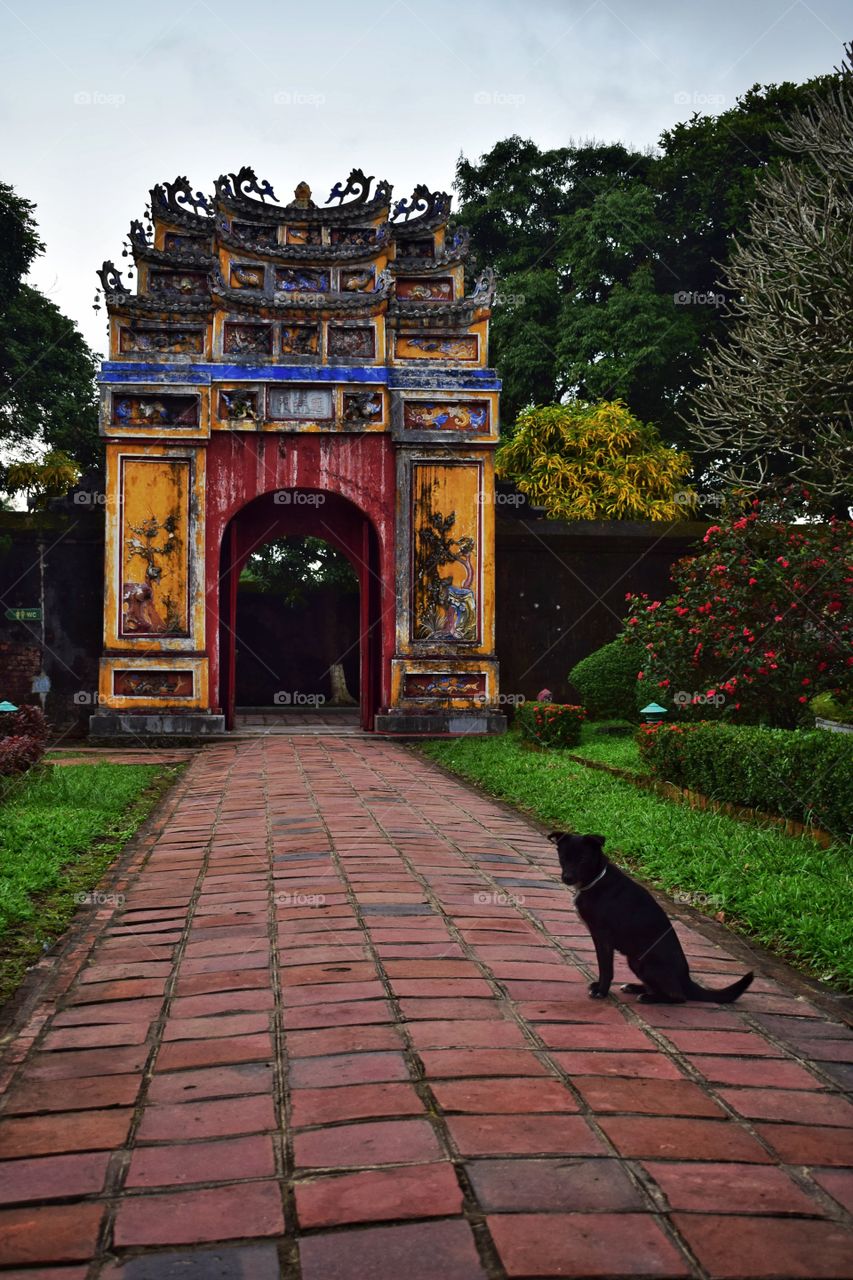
619 750
784 891
60 828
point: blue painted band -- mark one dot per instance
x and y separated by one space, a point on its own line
433 377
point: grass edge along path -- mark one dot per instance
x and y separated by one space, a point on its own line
784 891
78 863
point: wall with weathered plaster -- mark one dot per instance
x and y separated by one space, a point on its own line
560 594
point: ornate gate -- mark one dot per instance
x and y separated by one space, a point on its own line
298 369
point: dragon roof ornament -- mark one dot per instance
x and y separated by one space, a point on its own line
110 278
179 198
358 186
424 206
242 186
137 235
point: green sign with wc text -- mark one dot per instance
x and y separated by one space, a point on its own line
24 615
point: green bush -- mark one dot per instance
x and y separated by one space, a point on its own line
552 724
607 681
794 773
833 708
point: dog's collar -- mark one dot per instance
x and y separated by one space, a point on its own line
584 887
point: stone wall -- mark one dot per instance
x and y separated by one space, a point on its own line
560 595
53 561
560 591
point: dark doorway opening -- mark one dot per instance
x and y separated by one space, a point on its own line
297 628
299 613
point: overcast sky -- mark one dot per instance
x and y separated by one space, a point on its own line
101 99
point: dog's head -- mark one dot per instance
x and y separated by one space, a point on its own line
581 857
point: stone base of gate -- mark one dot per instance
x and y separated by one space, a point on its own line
161 724
440 724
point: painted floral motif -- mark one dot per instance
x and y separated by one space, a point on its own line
362 406
182 283
425 290
157 684
301 280
164 341
303 235
351 342
300 339
445 611
175 242
255 233
160 411
430 416
244 277
140 609
238 406
444 686
356 281
354 235
415 248
437 345
247 339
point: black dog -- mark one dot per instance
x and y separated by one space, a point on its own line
623 916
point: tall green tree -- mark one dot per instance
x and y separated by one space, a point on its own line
47 389
608 259
776 398
295 567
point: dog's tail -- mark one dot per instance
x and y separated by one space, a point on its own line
725 995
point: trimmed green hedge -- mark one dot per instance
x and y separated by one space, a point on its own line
805 774
607 681
552 724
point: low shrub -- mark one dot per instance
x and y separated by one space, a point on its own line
838 708
607 681
791 773
552 724
18 752
23 736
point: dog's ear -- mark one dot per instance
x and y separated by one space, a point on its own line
599 840
556 836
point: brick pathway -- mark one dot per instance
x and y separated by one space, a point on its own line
338 1028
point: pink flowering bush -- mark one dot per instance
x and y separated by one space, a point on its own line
759 622
551 724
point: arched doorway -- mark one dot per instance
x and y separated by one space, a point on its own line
311 513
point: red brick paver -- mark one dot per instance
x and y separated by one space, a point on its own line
339 1028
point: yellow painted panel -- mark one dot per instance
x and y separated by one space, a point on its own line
447 553
130 683
155 547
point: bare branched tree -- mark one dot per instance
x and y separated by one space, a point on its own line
776 399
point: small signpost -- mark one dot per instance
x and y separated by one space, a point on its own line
23 615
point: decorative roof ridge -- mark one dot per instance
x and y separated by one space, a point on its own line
166 308
307 252
350 213
173 257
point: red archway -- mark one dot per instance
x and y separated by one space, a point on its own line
340 495
305 512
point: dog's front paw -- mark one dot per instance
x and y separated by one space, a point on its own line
596 992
